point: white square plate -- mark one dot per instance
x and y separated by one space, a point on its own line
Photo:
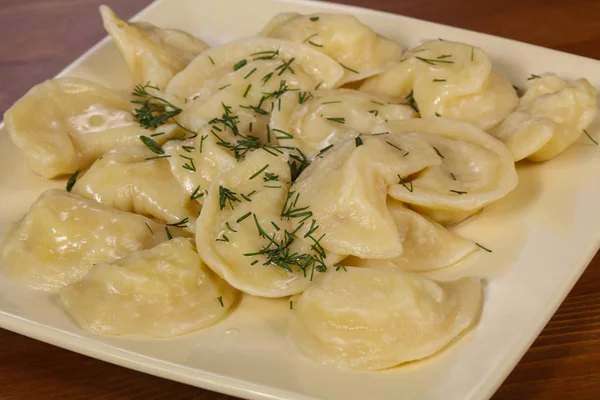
543 235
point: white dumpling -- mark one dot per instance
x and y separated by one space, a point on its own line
134 179
346 190
475 170
344 38
552 115
226 64
164 291
332 116
63 235
76 121
152 54
449 79
426 245
253 234
367 319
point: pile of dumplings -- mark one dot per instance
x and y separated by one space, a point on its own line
317 162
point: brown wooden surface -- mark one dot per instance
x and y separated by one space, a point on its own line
40 37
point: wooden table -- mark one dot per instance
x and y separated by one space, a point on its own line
40 37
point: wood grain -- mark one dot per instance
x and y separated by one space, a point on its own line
40 37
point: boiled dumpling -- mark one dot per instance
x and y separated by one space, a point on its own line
346 188
366 319
332 116
76 121
475 170
552 115
152 54
426 245
355 46
253 234
233 64
449 79
164 291
135 179
63 235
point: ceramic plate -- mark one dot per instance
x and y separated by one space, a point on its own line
543 235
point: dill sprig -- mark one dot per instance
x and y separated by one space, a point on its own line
483 247
152 145
154 111
304 96
433 61
323 150
226 197
297 163
408 186
196 194
289 209
265 55
349 69
180 224
411 101
285 66
590 137
72 180
533 76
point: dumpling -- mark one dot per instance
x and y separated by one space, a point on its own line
232 110
76 121
355 46
426 245
164 291
552 115
234 63
152 54
134 179
253 234
330 117
475 170
366 319
449 79
63 235
346 189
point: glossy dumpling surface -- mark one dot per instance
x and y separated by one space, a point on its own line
357 47
76 121
366 319
254 234
164 291
426 245
552 115
332 116
152 54
63 235
475 170
133 179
